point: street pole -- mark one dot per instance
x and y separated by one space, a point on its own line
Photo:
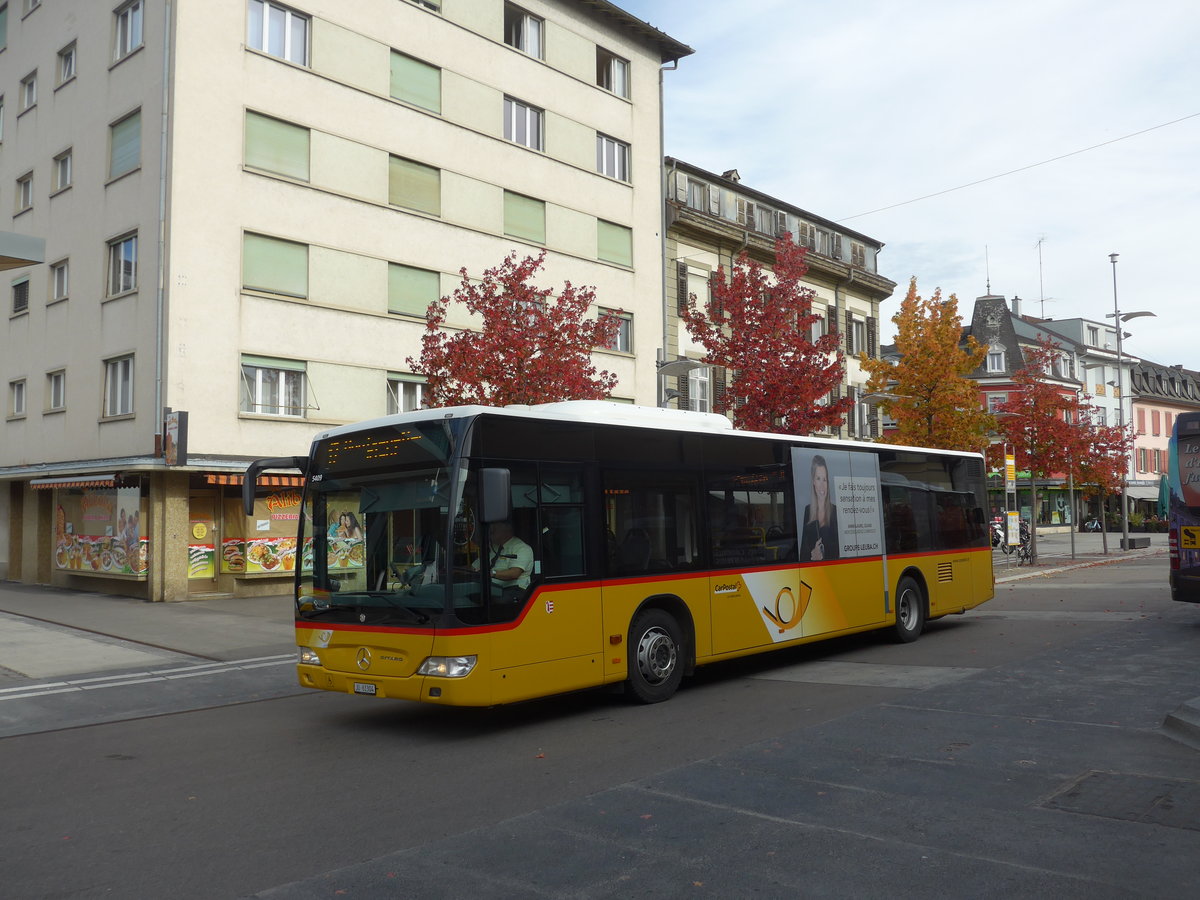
1112 257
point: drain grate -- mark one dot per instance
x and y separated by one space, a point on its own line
1132 798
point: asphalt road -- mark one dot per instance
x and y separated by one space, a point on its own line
1014 751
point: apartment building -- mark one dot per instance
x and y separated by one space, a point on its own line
247 207
711 220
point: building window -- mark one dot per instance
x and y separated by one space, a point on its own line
612 157
3 26
623 340
118 387
818 327
29 6
411 290
56 391
278 31
858 255
29 90
522 124
1155 422
857 337
995 361
125 145
995 401
66 63
614 243
523 30
276 146
405 393
274 266
1093 336
16 398
612 72
128 36
1 114
699 385
122 265
273 387
20 296
24 195
524 217
414 186
416 82
1141 421
60 281
62 171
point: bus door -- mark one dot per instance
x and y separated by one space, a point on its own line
555 629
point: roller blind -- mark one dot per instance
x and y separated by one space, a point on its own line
276 146
269 264
410 290
415 186
416 82
524 217
615 243
125 145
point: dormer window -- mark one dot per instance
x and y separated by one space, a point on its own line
995 361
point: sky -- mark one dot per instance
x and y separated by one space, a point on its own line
843 109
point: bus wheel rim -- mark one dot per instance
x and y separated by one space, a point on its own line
908 610
656 656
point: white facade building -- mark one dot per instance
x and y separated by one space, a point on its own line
247 207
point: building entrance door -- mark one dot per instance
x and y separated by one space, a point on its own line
203 541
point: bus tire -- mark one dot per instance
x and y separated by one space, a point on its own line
910 611
656 656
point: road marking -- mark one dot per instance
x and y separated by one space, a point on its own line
127 679
870 674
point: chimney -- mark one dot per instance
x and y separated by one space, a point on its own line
732 175
1016 305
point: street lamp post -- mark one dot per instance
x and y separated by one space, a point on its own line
1119 318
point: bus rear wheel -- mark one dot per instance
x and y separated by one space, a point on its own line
910 611
656 656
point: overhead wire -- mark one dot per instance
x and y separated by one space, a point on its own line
1021 169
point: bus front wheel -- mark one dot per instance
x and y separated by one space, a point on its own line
910 611
656 656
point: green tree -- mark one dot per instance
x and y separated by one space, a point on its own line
929 395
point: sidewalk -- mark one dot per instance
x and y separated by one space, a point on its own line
1054 554
51 632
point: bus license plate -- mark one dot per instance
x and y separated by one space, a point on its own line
360 688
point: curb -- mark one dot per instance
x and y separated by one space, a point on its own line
1034 571
1183 725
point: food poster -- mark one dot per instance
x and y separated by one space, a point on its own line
265 543
99 531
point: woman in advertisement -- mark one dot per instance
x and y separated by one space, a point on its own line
819 537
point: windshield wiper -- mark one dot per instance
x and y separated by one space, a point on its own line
319 608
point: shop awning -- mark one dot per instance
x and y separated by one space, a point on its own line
263 480
1141 492
74 481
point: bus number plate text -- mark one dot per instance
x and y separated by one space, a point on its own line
360 688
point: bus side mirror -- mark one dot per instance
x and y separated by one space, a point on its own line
495 495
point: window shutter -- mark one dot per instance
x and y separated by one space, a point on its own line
750 223
780 224
681 285
835 246
832 320
714 201
741 211
681 385
850 348
872 337
718 388
681 188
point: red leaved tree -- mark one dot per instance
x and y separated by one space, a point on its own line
1101 460
760 328
1049 425
532 346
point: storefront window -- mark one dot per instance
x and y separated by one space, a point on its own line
264 544
101 531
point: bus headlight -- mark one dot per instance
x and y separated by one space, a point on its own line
308 657
448 666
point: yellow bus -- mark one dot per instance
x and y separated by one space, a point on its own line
473 556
